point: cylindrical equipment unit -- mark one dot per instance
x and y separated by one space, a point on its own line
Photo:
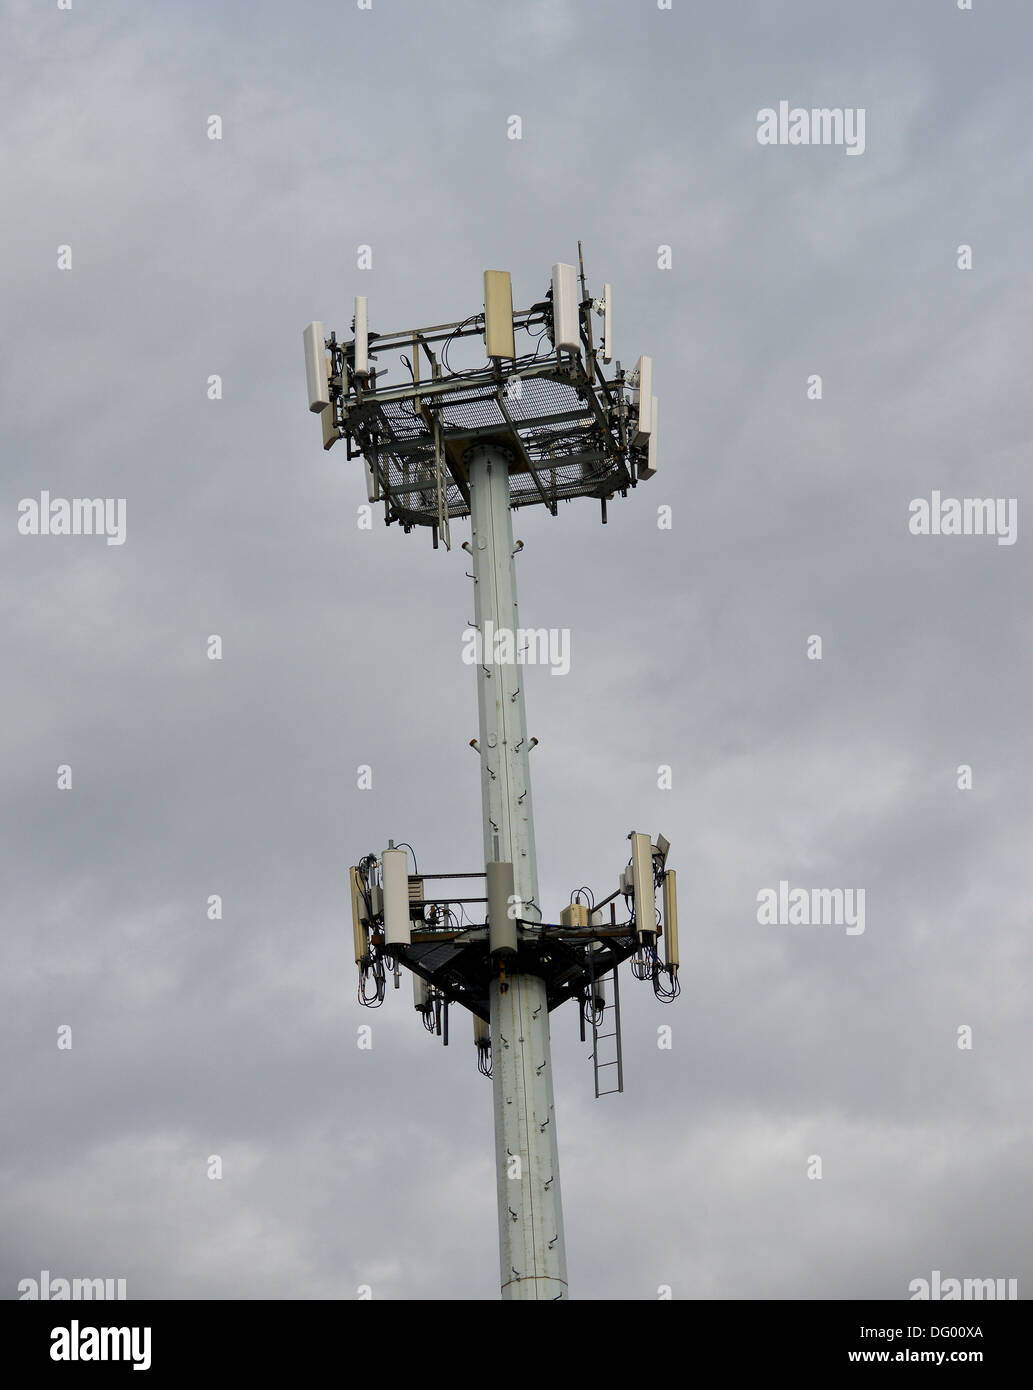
502 928
671 921
360 938
395 870
420 994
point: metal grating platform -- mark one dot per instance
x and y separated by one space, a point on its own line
459 964
564 434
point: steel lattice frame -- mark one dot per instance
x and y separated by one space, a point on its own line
567 428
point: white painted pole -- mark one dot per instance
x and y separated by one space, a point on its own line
532 1256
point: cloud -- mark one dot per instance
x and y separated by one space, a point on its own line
237 1036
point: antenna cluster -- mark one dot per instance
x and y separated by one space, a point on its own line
542 394
455 944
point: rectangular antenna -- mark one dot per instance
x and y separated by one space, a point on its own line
648 469
372 483
315 368
607 323
326 419
361 367
499 340
644 369
566 321
502 928
360 917
645 893
671 919
394 867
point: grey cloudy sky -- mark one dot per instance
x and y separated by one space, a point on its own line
342 647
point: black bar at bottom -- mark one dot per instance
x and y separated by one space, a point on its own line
191 1343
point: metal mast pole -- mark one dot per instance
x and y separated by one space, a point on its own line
532 1255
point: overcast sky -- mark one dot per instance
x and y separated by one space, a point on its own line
190 777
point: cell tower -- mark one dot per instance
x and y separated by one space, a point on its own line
527 426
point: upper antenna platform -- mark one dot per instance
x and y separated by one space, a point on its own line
542 394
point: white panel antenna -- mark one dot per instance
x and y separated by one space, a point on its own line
361 365
607 323
650 465
671 921
330 435
372 483
566 321
645 399
395 870
502 928
645 893
420 994
315 368
360 917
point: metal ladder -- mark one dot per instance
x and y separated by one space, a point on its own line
597 1037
